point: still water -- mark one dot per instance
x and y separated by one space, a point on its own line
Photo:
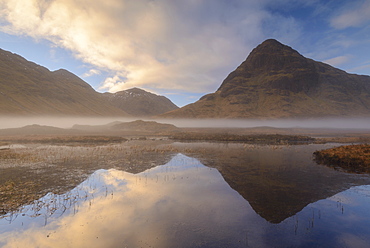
180 204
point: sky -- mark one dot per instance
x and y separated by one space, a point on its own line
176 48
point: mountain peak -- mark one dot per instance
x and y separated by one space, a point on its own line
272 44
276 81
282 67
138 91
139 102
273 55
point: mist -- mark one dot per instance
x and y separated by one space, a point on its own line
340 123
68 122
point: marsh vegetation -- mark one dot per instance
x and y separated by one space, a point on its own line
42 175
276 139
354 158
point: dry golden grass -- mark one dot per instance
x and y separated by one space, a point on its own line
15 194
354 158
254 138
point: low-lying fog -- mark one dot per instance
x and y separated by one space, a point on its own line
68 122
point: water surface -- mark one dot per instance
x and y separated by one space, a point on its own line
181 204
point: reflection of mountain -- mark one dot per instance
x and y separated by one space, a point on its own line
278 183
59 168
179 204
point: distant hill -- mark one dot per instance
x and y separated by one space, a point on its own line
30 89
145 126
275 81
129 128
37 130
138 102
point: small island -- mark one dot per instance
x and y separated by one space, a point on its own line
353 158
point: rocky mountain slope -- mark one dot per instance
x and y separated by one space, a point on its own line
138 102
275 81
29 89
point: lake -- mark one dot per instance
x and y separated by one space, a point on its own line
227 195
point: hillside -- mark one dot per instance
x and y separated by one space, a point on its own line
130 127
30 89
138 102
275 81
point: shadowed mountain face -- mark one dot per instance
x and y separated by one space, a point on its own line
276 81
30 89
138 102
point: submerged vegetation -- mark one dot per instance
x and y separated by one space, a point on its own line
354 158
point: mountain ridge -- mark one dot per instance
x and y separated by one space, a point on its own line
29 89
275 81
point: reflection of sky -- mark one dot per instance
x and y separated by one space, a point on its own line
181 204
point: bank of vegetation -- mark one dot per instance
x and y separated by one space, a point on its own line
353 158
67 140
253 138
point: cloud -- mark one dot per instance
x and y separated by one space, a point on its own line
91 72
362 67
185 46
337 60
113 84
352 16
152 207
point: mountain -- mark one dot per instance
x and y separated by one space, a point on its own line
34 130
30 89
275 81
138 102
145 126
131 127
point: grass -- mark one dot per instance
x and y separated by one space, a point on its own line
353 158
255 138
69 140
8 154
15 194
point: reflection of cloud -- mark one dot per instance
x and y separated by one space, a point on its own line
351 240
179 203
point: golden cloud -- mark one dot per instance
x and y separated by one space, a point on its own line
162 44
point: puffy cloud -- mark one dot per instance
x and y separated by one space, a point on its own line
352 16
183 45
